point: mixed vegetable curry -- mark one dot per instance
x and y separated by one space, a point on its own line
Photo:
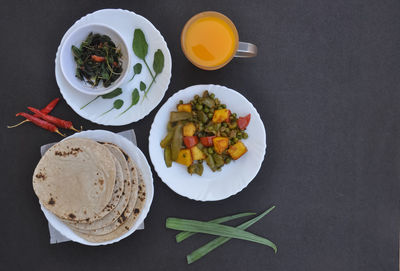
204 130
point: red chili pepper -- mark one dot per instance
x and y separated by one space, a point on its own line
41 123
57 121
207 141
190 141
45 110
242 122
98 58
50 106
115 64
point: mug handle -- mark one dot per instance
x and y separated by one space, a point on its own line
246 49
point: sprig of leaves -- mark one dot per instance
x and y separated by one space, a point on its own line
142 86
135 100
116 105
137 69
116 92
158 66
140 47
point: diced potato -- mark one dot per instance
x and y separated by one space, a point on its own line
197 154
220 144
184 157
185 108
221 115
237 150
189 129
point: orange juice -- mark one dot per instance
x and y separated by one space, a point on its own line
209 40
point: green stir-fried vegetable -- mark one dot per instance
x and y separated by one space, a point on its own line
98 60
208 132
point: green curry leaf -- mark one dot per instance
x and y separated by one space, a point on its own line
116 92
139 44
116 105
158 62
142 86
135 100
137 69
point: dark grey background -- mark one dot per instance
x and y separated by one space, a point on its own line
326 83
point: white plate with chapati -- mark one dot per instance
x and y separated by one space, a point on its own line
91 209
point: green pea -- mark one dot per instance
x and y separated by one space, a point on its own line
245 135
227 130
210 150
206 110
210 115
239 134
212 95
235 140
199 106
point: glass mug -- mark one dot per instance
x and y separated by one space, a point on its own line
210 40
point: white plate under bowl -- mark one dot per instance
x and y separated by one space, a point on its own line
68 63
136 154
234 176
125 22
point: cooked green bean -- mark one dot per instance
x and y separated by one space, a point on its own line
167 139
176 141
178 116
167 156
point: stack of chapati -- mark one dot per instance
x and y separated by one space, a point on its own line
95 188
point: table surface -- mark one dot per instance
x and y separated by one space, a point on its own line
326 83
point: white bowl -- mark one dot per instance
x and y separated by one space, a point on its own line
68 64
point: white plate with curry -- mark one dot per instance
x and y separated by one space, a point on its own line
233 177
